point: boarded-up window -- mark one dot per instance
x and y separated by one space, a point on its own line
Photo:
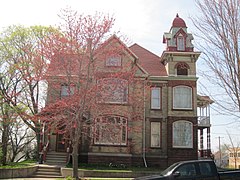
182 97
155 134
182 134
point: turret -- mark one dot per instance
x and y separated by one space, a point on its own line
178 39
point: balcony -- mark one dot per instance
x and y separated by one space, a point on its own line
204 121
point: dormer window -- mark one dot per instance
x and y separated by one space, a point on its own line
180 43
182 69
114 61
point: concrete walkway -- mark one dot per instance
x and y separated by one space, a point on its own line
33 179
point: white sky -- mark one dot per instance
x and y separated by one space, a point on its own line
142 21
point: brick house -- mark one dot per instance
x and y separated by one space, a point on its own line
167 112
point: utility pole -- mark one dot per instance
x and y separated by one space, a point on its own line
220 153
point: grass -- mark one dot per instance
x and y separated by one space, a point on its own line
22 164
107 168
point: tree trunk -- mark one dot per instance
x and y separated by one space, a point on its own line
4 144
75 158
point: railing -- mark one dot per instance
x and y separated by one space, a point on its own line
69 151
204 121
44 151
206 153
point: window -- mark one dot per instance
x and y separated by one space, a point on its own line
155 134
182 97
182 134
182 69
112 90
180 43
205 169
187 170
114 61
155 98
67 90
111 130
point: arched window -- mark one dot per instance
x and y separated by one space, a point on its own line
182 134
182 69
110 130
182 97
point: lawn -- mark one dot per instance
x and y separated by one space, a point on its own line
22 164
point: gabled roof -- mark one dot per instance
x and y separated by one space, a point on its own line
148 61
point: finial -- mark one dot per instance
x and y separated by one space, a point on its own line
177 15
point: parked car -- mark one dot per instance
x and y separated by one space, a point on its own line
194 170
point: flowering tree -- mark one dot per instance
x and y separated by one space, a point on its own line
21 71
86 79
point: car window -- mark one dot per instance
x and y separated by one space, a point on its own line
205 169
186 170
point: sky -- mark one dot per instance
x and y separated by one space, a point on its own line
142 21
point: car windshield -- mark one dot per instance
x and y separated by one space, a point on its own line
169 169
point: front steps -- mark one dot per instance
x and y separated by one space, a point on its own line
56 158
45 171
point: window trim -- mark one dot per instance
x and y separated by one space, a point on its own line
192 135
160 133
173 98
159 98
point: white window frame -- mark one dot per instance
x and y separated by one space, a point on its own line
67 90
155 134
114 61
180 43
156 98
112 90
110 130
179 96
182 133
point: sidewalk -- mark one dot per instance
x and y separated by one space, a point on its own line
33 179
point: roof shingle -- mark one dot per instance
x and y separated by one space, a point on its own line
149 62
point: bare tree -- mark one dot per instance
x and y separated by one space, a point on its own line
233 148
219 28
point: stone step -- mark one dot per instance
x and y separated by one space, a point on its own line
56 158
47 172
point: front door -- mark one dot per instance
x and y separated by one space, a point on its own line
60 143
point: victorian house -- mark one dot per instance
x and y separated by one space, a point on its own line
167 125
